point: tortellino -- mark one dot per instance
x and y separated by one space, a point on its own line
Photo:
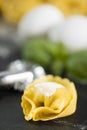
49 98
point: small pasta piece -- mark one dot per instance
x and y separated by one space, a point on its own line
49 98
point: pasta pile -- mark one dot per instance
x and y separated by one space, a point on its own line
14 10
71 7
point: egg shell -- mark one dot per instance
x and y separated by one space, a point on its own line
39 20
72 32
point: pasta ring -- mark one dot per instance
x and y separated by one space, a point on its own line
61 103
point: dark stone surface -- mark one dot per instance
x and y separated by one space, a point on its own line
12 118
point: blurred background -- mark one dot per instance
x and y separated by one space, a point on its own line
50 33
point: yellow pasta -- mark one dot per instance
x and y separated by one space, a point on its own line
49 98
70 7
13 10
0 4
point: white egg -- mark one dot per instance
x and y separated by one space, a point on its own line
39 20
55 32
72 32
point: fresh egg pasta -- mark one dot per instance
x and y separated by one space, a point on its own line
49 98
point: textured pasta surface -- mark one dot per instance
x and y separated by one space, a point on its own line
39 106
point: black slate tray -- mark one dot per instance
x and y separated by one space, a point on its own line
12 118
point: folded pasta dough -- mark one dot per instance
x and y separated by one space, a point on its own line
49 98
